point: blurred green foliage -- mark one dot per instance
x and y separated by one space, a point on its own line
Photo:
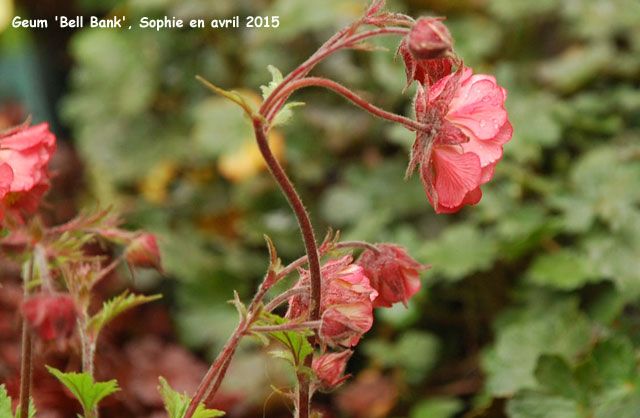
536 288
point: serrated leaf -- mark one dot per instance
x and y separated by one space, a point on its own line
5 402
114 307
85 390
296 341
276 79
285 114
176 404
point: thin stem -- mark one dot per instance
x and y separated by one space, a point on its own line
300 212
271 106
27 353
285 296
357 244
288 326
353 97
208 383
213 379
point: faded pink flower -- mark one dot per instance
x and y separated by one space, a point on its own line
329 369
430 39
24 154
427 52
469 127
51 315
392 272
346 302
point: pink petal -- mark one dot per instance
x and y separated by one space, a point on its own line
470 198
479 109
456 174
6 177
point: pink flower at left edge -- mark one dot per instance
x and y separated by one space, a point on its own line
346 302
24 177
469 128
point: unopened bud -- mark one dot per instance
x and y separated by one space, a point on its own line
329 369
430 39
143 251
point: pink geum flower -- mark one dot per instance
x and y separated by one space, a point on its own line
51 315
329 369
392 272
24 177
427 51
346 302
469 126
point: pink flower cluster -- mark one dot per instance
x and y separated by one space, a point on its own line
350 291
466 115
24 177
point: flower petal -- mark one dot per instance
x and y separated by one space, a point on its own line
456 174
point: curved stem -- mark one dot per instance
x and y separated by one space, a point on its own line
300 212
271 105
357 100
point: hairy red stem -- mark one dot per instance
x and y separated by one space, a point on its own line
359 101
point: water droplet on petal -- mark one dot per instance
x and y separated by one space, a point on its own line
483 123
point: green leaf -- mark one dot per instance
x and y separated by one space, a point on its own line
295 341
565 270
437 408
460 250
276 79
533 404
542 328
85 390
176 404
114 307
286 112
5 402
555 374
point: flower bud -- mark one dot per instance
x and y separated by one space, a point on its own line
329 369
392 272
51 315
143 251
430 39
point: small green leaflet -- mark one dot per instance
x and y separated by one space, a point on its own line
5 405
114 307
86 391
286 112
295 341
176 404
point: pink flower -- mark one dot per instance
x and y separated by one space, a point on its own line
469 127
143 251
51 315
24 154
346 302
392 272
329 369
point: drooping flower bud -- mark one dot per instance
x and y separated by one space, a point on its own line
392 272
51 315
430 39
143 251
329 369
